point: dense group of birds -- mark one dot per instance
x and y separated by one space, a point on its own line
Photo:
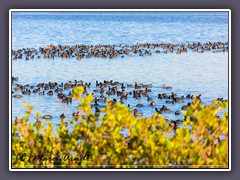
102 91
117 50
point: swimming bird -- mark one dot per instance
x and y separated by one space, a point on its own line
17 89
97 110
14 78
163 107
186 107
96 103
17 96
188 96
158 111
67 100
102 99
26 92
179 121
47 117
62 116
147 86
177 113
167 110
41 93
179 100
153 103
74 114
137 114
149 98
50 93
18 120
173 125
169 102
168 87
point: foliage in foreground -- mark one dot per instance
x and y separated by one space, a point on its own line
93 141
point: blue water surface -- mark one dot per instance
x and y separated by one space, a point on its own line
190 73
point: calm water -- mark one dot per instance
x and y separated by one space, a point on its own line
190 73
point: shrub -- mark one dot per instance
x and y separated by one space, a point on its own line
96 140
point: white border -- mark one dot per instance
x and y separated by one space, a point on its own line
111 10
